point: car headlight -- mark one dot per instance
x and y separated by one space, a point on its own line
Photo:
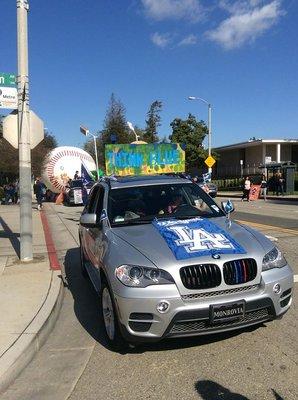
273 259
137 276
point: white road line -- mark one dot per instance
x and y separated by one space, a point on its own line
295 278
272 238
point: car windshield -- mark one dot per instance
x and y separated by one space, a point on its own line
142 204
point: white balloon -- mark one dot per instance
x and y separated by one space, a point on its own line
62 164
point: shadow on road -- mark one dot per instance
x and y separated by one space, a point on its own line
86 301
210 390
7 233
86 308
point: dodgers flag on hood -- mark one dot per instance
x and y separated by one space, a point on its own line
196 237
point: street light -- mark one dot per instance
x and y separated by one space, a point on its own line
130 125
85 131
209 124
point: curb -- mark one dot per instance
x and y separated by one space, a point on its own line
33 337
238 196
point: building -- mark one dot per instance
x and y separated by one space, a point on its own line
246 158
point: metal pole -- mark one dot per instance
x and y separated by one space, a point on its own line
96 158
26 251
209 135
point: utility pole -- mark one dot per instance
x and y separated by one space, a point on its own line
209 135
24 133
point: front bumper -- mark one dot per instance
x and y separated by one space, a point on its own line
190 316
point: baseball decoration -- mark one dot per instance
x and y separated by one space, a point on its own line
62 164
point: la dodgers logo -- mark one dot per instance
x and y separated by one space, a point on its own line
199 239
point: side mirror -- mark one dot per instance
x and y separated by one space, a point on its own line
227 206
88 220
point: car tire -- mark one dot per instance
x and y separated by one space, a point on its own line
83 263
110 319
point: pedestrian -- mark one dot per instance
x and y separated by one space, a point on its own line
264 187
39 191
246 189
76 175
280 184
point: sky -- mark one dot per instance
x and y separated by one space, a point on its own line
241 56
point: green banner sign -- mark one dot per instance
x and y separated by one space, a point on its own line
144 159
7 79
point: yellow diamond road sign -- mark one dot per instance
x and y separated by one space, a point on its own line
209 161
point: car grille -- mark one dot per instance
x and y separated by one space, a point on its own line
203 276
239 271
185 327
195 296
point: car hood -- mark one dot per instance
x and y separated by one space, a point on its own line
147 240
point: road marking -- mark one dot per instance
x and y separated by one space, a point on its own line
272 238
295 278
270 227
52 254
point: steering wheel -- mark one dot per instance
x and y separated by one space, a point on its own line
186 209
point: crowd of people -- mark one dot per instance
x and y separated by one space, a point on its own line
11 193
275 184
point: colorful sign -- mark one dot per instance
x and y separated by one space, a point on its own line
196 237
8 97
144 159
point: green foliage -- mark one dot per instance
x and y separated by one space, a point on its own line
115 123
153 122
191 133
9 160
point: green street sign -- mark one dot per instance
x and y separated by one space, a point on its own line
7 79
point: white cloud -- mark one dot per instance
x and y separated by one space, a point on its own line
161 39
247 22
159 10
188 40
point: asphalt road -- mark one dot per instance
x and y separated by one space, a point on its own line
75 362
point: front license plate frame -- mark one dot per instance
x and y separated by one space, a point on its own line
227 312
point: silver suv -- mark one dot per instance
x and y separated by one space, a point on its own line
167 261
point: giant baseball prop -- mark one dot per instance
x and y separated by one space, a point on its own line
62 164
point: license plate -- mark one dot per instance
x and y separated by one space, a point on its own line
226 312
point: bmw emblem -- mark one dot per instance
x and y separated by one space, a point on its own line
216 256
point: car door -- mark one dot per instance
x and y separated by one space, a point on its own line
95 233
85 232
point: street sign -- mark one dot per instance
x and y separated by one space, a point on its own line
7 79
8 97
10 129
209 161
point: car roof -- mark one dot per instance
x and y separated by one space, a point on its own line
145 180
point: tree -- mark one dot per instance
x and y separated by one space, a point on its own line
115 123
191 133
153 122
40 152
9 160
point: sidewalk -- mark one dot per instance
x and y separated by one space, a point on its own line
30 295
287 197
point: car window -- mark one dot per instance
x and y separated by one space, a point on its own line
144 203
92 200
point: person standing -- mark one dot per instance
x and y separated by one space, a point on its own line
246 189
264 187
280 184
39 190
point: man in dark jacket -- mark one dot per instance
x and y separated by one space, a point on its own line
39 190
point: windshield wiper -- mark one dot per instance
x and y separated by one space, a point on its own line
131 222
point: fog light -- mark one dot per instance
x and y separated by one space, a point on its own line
163 306
276 288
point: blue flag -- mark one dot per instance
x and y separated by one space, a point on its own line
196 237
85 175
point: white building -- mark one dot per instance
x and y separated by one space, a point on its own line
245 158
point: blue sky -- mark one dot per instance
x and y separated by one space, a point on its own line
239 55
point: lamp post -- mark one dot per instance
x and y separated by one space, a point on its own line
85 131
130 125
209 124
